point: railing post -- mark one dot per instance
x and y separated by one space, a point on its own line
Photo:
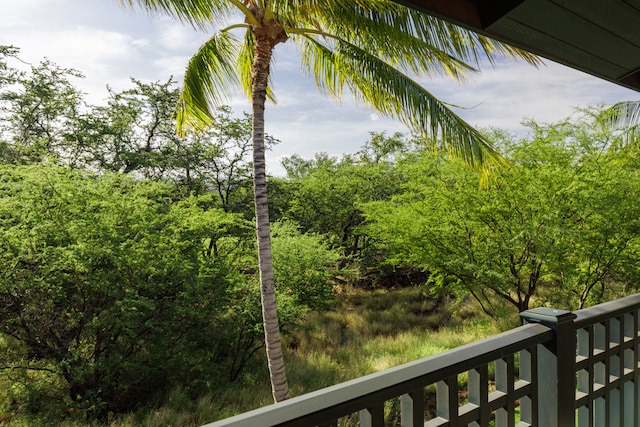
556 371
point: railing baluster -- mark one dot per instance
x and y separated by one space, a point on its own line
599 375
452 385
585 376
412 409
618 325
627 356
504 383
592 375
609 396
635 360
447 400
373 416
478 387
529 373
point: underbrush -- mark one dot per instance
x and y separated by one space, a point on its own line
367 331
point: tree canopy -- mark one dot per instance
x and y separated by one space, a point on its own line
370 48
129 267
558 227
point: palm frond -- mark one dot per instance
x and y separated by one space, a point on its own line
403 51
403 37
464 44
245 61
210 76
625 116
198 13
394 94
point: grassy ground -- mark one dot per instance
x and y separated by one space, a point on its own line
368 331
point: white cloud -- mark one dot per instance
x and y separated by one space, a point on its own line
504 96
173 36
142 43
170 66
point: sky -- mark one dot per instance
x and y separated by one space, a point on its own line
110 44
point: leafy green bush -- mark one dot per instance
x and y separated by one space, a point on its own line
304 268
108 287
559 227
113 291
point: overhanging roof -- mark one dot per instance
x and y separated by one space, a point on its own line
599 37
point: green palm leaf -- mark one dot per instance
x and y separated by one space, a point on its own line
209 76
626 115
198 13
402 36
394 94
244 63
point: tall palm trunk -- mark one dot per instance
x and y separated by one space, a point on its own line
263 50
361 58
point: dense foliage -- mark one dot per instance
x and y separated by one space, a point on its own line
127 252
106 284
128 257
559 227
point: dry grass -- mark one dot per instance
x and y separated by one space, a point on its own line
368 331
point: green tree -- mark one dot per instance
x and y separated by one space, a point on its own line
135 133
229 171
381 147
305 267
45 117
560 225
8 74
327 191
108 287
366 47
42 111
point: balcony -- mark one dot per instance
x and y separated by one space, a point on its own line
558 369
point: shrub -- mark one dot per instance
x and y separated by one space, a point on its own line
108 286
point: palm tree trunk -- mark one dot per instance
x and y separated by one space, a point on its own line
260 75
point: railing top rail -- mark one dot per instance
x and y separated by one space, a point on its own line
345 398
607 310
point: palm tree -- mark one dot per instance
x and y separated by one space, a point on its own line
368 47
625 115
